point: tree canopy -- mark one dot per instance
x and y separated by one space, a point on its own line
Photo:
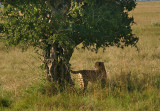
70 22
58 26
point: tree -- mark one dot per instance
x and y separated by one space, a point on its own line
56 27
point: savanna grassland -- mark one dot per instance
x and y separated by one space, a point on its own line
133 76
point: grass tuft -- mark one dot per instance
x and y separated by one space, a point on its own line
155 23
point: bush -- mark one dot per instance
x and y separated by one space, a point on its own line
5 100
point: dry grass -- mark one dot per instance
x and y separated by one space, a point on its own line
18 70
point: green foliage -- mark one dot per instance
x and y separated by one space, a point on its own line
39 23
5 100
1 27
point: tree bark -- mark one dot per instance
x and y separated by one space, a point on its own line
57 65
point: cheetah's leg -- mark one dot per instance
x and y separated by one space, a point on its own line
103 83
80 79
85 84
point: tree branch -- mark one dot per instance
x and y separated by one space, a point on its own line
52 7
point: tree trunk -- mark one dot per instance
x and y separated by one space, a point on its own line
56 59
57 65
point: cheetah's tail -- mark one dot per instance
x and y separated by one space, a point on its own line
75 72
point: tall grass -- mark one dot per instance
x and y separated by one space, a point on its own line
133 76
